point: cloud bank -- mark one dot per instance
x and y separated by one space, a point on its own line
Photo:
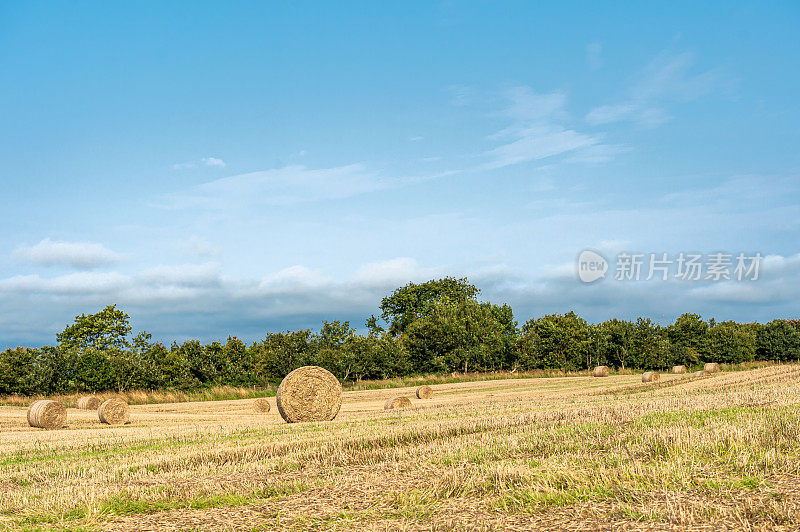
78 255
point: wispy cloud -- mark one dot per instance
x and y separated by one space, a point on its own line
538 132
199 247
79 255
205 161
213 161
667 78
287 186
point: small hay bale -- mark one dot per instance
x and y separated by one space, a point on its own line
310 393
424 392
600 371
397 402
261 406
679 369
114 412
701 373
89 402
711 367
650 376
46 414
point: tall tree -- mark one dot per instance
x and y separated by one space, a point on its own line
107 329
415 301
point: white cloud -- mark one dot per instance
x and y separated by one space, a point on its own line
205 161
79 255
294 279
183 275
538 142
199 247
638 112
393 272
537 132
213 161
83 283
287 186
668 77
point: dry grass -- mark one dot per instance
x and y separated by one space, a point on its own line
564 453
145 397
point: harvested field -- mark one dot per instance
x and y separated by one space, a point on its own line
564 453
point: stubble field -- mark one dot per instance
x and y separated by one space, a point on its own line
572 453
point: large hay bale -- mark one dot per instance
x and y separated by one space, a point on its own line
397 402
600 371
114 412
261 405
679 369
46 414
310 393
650 376
424 392
89 402
701 373
711 367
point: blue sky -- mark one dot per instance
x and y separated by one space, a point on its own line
234 169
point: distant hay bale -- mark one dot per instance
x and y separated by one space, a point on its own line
46 414
114 412
701 373
261 406
310 393
711 367
600 371
397 402
424 392
89 402
679 369
650 376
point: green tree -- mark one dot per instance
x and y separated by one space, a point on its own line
778 340
686 337
416 301
557 342
649 345
107 329
613 344
728 342
456 334
281 352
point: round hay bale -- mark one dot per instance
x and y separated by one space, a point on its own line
261 405
600 371
46 414
679 369
424 392
114 412
701 373
310 393
650 376
89 402
711 367
397 402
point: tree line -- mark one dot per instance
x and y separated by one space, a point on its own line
435 327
